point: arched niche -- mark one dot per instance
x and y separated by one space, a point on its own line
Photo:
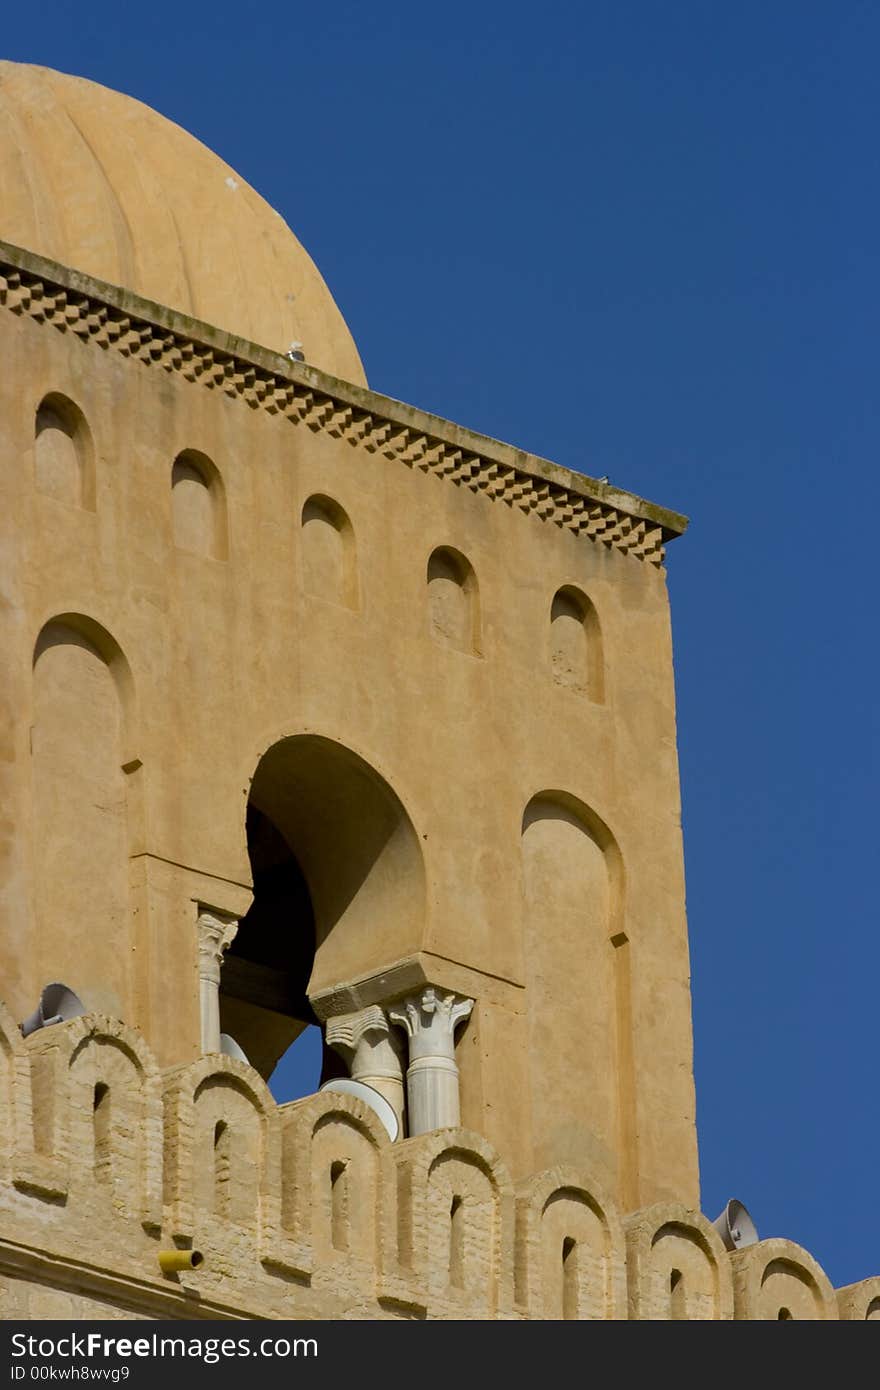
685 1275
570 1260
329 552
332 1190
198 506
577 1274
221 1176
339 892
345 1189
677 1268
228 1150
576 644
777 1279
455 1224
80 755
114 1121
453 600
576 997
64 456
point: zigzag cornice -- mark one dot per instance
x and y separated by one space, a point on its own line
118 320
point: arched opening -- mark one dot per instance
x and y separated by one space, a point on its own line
102 1136
222 1142
339 1205
64 465
456 1242
677 1306
570 1290
263 1000
338 897
784 1315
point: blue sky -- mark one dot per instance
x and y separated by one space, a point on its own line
640 240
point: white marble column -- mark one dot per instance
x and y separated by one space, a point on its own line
430 1019
373 1052
216 932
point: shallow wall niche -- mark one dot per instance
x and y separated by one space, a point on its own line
198 506
572 882
453 600
64 461
80 822
329 553
576 644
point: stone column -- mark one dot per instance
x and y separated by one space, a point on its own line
216 932
430 1019
368 1043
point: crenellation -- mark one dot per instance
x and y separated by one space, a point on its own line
777 1279
456 1244
78 1067
309 1206
860 1302
570 1253
677 1266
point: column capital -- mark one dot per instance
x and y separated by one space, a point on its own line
430 1019
216 931
367 1042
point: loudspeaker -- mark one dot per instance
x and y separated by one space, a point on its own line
58 1003
230 1048
371 1097
735 1227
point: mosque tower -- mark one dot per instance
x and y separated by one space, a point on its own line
318 708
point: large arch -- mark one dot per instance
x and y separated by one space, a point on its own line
339 891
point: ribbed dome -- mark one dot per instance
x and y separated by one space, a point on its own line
103 184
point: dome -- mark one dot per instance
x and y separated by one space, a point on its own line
104 184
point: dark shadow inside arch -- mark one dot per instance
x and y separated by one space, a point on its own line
338 892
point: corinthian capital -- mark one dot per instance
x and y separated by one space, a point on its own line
216 933
430 1019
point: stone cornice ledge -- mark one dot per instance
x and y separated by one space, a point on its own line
118 319
145 1296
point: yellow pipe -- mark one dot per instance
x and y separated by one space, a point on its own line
170 1261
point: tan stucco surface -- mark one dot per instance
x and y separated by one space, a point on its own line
185 668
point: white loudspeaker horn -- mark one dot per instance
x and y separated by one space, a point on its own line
735 1227
230 1048
58 1003
371 1097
